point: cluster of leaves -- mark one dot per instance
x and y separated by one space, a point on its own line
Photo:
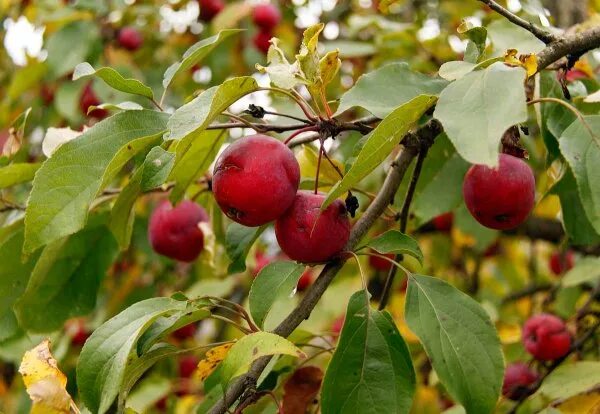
74 215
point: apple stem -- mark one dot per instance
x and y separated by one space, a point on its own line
321 150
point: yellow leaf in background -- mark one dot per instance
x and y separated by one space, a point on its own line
45 383
426 401
584 66
386 5
212 358
524 307
465 26
509 333
396 309
548 207
581 404
308 159
460 239
186 404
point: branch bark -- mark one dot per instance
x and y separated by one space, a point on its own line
575 44
412 144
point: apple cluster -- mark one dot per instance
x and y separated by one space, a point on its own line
255 181
546 338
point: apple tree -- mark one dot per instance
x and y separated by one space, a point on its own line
299 207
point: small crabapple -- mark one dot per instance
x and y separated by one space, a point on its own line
305 280
561 263
88 99
187 365
517 379
174 231
186 332
500 198
443 222
255 180
261 41
266 16
546 337
210 8
130 38
379 263
309 235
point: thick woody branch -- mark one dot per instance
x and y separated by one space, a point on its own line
385 196
575 44
544 35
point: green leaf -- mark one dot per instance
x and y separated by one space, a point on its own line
350 48
123 106
586 270
282 73
66 184
476 46
66 278
110 350
275 281
505 35
383 90
113 79
195 160
459 339
308 59
439 189
381 142
456 69
582 153
157 167
393 241
371 370
196 53
238 241
569 380
122 216
14 275
554 118
71 45
17 173
24 79
250 348
199 112
475 115
575 221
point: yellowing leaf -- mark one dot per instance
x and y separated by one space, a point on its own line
584 66
308 159
527 61
212 358
548 207
582 404
396 308
509 333
329 65
45 383
461 239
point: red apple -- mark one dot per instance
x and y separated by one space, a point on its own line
546 337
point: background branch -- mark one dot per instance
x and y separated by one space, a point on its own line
574 44
544 35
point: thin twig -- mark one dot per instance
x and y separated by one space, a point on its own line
298 132
387 287
544 35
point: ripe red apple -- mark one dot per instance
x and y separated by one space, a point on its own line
255 180
78 332
266 16
261 260
500 198
309 235
338 324
47 94
517 379
443 222
210 8
186 332
174 232
261 41
89 98
561 263
575 74
305 280
546 337
379 263
130 38
187 365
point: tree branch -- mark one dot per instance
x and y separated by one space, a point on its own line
575 44
385 196
544 35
